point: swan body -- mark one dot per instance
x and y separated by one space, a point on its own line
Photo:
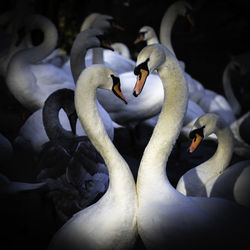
109 223
215 176
32 132
165 217
32 82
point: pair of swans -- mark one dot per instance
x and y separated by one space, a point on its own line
163 216
215 178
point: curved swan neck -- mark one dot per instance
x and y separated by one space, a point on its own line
77 55
50 36
223 155
226 81
166 26
152 40
63 98
152 171
120 176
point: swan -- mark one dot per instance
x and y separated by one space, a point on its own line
215 177
208 100
28 80
72 184
165 217
32 132
110 223
117 62
127 115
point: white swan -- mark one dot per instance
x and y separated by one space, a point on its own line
215 177
32 132
117 62
208 100
28 80
165 217
111 222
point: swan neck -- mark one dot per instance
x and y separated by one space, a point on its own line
38 53
152 171
223 154
166 27
227 86
77 56
51 121
152 40
120 177
98 56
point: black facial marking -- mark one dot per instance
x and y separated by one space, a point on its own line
199 131
116 82
143 65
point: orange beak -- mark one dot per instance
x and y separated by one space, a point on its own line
139 38
117 91
106 46
141 79
195 142
117 26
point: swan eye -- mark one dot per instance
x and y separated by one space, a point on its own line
144 65
199 131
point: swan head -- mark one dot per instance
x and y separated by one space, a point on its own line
105 22
149 59
145 33
103 77
204 126
92 38
184 9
